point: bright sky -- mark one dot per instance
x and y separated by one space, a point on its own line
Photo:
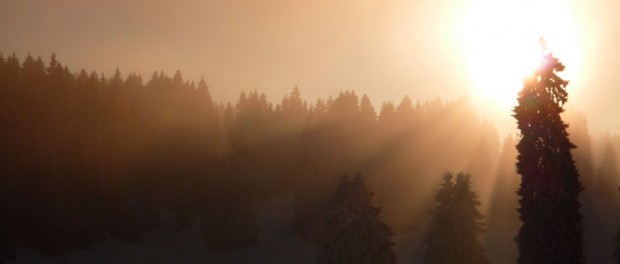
386 49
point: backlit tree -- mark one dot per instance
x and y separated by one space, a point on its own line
549 191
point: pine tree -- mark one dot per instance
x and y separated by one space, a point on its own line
549 206
351 230
435 238
368 115
452 234
294 112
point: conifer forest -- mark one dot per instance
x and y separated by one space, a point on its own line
106 169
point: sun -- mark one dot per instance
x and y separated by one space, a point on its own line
501 43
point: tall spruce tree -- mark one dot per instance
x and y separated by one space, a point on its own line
452 236
351 230
549 206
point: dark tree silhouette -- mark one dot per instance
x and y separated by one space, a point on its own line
451 236
84 157
435 239
549 206
351 230
326 149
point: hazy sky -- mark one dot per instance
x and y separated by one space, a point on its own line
385 48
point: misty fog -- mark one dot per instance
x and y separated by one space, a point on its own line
89 160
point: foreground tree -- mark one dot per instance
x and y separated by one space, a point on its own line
452 234
351 230
549 206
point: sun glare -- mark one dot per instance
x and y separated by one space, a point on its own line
501 42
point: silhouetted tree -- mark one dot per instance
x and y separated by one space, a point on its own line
326 149
351 230
549 192
452 235
288 123
121 219
84 157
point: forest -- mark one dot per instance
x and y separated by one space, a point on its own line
85 158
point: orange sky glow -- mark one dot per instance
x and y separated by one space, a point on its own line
386 49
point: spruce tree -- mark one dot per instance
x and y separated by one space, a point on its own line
351 229
452 236
549 206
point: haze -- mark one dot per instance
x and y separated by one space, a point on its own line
385 49
258 110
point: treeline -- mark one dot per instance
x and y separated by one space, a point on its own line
84 157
